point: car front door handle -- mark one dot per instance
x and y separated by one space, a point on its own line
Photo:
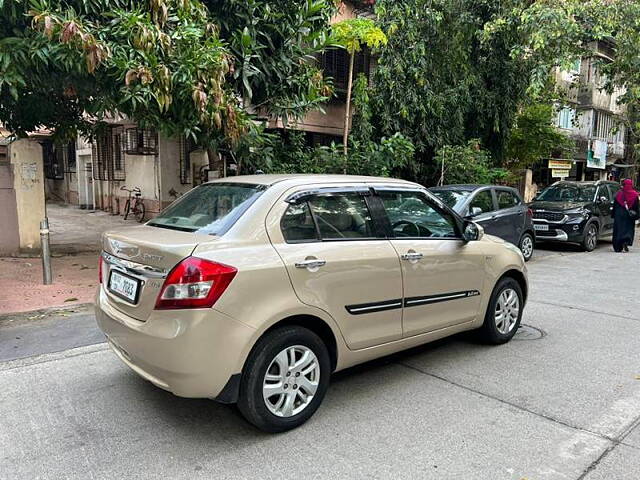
412 256
311 264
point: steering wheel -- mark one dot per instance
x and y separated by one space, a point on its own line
406 222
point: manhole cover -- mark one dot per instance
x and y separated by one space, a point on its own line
527 332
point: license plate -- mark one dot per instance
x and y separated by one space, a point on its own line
124 286
541 227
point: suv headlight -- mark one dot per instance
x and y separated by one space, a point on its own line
578 213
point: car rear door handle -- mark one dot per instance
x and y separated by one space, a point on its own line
412 256
311 264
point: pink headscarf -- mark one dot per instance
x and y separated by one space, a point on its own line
627 194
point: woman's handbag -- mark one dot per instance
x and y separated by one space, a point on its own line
633 213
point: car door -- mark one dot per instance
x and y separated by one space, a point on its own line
442 275
481 209
338 261
604 204
613 191
510 216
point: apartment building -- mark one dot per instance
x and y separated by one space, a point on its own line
594 119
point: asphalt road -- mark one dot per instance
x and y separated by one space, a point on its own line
561 401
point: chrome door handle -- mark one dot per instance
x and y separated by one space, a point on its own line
311 264
412 256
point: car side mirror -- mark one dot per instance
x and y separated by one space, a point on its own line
475 211
472 232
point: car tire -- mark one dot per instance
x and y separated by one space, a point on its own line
504 312
276 354
590 240
527 245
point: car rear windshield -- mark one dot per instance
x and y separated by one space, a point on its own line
568 193
212 208
452 198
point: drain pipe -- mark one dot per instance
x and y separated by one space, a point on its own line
46 252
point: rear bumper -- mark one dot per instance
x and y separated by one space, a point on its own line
191 353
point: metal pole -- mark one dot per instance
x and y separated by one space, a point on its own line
46 252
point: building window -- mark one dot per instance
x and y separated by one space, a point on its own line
604 126
71 157
565 118
4 153
141 141
107 155
335 64
575 67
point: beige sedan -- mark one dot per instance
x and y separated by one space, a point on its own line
255 289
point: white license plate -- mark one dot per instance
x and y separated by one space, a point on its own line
541 227
124 286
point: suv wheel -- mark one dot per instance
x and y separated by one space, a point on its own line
285 379
504 312
590 240
526 246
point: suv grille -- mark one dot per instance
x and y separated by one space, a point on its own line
549 216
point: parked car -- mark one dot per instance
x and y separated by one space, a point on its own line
576 212
500 211
255 289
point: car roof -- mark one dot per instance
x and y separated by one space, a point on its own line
467 187
307 179
586 183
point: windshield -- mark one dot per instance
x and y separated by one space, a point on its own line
211 209
451 198
565 192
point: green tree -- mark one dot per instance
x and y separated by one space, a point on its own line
175 65
534 137
352 35
469 163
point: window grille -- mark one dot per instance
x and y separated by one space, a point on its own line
53 160
108 155
186 147
71 157
140 141
335 64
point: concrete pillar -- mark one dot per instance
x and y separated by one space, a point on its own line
28 182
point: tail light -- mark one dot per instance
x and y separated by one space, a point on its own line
100 262
194 283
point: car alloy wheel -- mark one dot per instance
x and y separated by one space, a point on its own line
526 246
291 381
507 311
591 238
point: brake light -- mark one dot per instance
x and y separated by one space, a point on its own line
100 262
195 283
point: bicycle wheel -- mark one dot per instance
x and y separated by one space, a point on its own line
139 211
127 208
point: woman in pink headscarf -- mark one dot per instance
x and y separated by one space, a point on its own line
626 210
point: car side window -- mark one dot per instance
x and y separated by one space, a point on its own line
412 216
613 189
483 201
603 191
298 225
507 199
342 216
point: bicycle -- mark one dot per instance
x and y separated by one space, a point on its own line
138 205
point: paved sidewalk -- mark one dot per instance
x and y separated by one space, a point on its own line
21 290
76 231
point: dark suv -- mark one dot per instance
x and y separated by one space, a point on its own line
499 210
575 212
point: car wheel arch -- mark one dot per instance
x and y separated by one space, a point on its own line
312 322
519 277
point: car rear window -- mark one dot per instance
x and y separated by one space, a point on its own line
453 199
212 208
